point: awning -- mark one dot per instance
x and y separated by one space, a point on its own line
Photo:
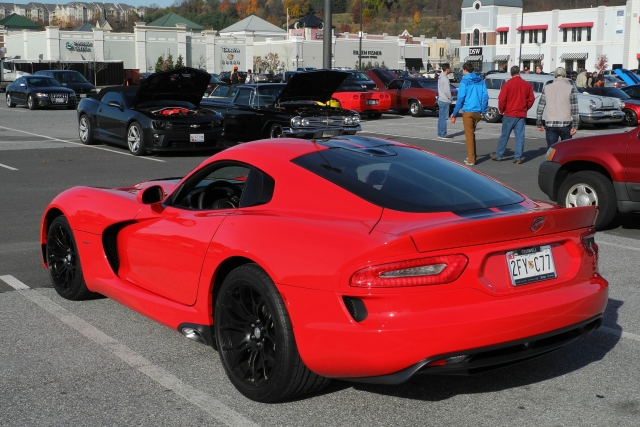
532 27
532 57
501 58
473 58
576 25
502 30
572 56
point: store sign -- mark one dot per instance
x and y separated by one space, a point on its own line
473 51
79 46
319 36
368 53
230 56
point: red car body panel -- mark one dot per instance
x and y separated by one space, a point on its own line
311 238
362 101
400 97
632 106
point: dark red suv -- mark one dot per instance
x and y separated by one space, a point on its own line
601 171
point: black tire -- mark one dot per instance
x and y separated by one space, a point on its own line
374 116
590 188
255 338
63 261
85 131
630 118
416 109
31 103
135 139
275 131
9 103
601 125
493 115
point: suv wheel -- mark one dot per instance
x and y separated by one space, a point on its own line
492 115
590 188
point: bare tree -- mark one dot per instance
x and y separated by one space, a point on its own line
62 63
202 62
271 62
95 65
287 56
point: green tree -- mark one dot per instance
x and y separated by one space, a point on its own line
169 63
159 64
180 62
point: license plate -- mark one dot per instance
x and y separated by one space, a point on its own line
58 100
83 95
372 102
196 137
531 265
327 133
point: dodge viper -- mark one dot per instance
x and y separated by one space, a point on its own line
354 257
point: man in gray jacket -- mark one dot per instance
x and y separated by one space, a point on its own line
559 104
444 101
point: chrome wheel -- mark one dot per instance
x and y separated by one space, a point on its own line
134 139
492 115
31 103
83 129
414 108
275 131
581 195
9 103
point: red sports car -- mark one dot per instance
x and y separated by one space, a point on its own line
356 258
369 103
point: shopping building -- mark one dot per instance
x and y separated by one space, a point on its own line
495 33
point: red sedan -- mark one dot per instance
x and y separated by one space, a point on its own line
355 258
366 102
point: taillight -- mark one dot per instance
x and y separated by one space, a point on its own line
355 96
589 243
417 272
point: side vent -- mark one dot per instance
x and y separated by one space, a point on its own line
356 308
110 244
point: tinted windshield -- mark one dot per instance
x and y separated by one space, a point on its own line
42 82
407 179
351 87
70 77
358 77
271 91
221 91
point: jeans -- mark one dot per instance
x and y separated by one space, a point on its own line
470 121
443 116
515 124
553 133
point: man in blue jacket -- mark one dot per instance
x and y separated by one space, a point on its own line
473 101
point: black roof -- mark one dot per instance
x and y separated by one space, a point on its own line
309 21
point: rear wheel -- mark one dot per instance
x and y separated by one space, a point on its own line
492 115
63 262
10 102
630 118
255 337
590 188
84 130
31 103
275 131
135 139
416 109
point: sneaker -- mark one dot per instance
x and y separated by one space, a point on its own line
494 157
468 163
446 137
518 161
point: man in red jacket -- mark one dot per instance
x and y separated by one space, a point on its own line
515 99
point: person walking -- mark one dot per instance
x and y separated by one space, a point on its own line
444 101
581 80
249 79
559 104
473 101
515 99
234 76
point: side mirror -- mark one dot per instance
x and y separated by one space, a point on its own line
151 195
115 104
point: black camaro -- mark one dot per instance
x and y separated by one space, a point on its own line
161 114
39 91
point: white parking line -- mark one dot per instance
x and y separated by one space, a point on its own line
207 403
79 143
7 167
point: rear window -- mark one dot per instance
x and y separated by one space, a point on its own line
406 179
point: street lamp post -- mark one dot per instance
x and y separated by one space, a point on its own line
297 61
360 48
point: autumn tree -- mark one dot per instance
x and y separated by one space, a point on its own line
602 63
297 8
355 12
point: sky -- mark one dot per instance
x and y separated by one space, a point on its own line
160 3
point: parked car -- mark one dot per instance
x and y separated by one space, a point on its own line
278 77
432 84
223 90
37 91
144 76
611 81
275 110
600 111
360 78
262 78
369 103
602 171
352 257
72 80
214 82
306 68
631 108
162 114
407 94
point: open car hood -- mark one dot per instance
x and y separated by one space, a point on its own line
182 84
312 86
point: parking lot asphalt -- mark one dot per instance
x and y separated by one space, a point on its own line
99 363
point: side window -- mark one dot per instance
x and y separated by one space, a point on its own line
111 96
243 97
494 83
21 81
406 84
396 84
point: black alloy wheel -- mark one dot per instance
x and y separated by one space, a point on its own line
63 262
32 103
85 132
275 131
630 118
255 338
10 102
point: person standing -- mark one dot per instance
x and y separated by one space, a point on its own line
559 104
473 101
591 79
444 101
539 70
581 80
249 78
515 99
234 76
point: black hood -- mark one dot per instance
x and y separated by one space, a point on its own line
182 84
312 86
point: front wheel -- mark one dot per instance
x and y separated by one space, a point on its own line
63 262
492 115
31 103
416 109
589 188
275 131
10 102
135 139
630 118
255 338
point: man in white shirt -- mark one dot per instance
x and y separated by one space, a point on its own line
444 101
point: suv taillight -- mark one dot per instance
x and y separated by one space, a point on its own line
417 272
